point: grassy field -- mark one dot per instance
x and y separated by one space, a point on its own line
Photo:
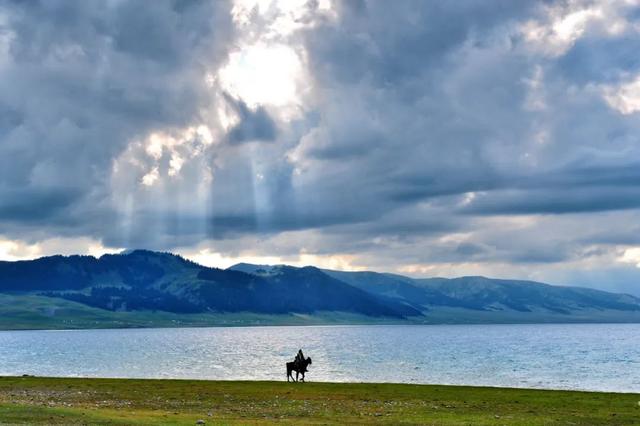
29 312
33 312
31 400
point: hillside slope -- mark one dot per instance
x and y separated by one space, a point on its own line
145 280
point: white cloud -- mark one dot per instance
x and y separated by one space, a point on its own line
624 97
563 23
151 177
214 259
631 255
264 74
13 250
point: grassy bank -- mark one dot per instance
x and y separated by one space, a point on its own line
29 400
33 312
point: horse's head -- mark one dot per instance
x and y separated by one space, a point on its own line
309 360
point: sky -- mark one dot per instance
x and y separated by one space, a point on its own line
427 138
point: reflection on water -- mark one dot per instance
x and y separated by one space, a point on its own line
579 356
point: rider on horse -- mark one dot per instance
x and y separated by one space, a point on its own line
299 365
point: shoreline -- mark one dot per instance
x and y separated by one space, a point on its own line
48 400
247 381
327 324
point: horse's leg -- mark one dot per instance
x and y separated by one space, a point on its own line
302 379
297 372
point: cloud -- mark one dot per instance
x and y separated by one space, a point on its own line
253 125
79 83
442 138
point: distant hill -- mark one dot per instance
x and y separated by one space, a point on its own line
487 294
146 288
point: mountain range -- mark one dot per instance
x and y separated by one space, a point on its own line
146 288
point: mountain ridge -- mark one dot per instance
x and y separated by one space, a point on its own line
144 283
478 292
146 280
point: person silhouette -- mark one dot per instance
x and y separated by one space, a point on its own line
299 358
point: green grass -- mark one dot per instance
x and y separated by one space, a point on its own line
29 311
31 400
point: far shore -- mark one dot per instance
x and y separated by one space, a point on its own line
38 400
33 312
314 324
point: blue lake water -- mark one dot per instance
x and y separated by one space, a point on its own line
602 357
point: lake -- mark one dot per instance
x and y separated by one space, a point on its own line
603 357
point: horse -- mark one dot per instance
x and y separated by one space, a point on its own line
299 368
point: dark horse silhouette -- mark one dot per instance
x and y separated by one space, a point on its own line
299 367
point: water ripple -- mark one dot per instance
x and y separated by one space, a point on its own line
578 356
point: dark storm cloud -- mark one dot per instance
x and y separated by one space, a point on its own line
599 60
392 44
576 188
36 205
253 126
550 202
